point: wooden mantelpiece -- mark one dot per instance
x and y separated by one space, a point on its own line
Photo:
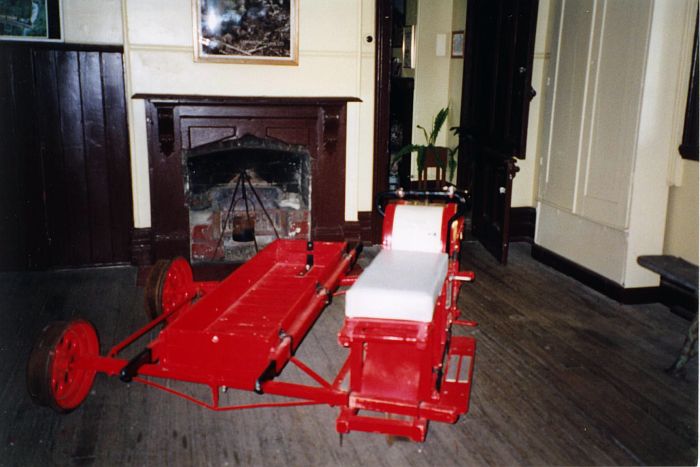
178 123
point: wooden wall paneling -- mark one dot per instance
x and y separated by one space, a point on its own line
11 251
66 191
95 156
47 115
75 182
117 155
22 230
32 226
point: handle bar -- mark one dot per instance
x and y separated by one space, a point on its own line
450 196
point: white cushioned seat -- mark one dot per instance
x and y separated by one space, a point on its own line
398 284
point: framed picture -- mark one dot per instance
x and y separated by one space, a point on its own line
246 31
30 20
408 47
457 44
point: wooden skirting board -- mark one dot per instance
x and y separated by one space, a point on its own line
594 280
522 229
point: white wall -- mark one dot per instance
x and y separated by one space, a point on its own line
681 238
92 22
334 60
611 126
459 20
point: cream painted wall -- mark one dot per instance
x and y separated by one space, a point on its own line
334 60
459 19
681 237
432 75
432 70
611 128
92 21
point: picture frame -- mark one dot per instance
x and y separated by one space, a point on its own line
31 20
264 32
408 50
457 44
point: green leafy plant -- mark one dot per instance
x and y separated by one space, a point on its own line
422 149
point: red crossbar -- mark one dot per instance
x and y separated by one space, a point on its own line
218 408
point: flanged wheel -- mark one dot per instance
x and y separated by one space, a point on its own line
169 284
55 376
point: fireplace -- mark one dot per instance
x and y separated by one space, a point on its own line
244 193
313 129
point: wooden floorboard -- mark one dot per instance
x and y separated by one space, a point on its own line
564 376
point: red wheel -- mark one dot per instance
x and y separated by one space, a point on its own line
169 285
55 377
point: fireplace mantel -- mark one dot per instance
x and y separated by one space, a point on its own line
177 123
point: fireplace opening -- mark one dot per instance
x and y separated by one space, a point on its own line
244 193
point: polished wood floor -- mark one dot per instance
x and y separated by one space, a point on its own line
563 376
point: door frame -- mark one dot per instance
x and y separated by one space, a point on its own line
380 166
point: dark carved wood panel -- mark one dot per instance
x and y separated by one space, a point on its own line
64 134
317 124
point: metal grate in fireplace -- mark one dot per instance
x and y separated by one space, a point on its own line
242 193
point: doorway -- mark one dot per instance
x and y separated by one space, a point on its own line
493 104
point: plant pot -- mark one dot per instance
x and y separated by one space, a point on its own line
435 156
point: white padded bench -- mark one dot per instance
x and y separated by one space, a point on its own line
398 285
403 282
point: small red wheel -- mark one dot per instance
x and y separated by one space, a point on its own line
55 377
169 285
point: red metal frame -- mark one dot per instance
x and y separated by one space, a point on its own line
241 333
267 306
420 355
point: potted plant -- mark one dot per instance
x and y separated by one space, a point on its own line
443 156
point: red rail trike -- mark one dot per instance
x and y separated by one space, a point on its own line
241 332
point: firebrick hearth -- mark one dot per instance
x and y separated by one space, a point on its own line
242 194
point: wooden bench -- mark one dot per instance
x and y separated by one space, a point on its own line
678 274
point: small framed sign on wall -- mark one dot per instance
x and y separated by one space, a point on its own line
457 44
246 31
30 20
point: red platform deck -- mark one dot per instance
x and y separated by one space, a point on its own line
253 320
